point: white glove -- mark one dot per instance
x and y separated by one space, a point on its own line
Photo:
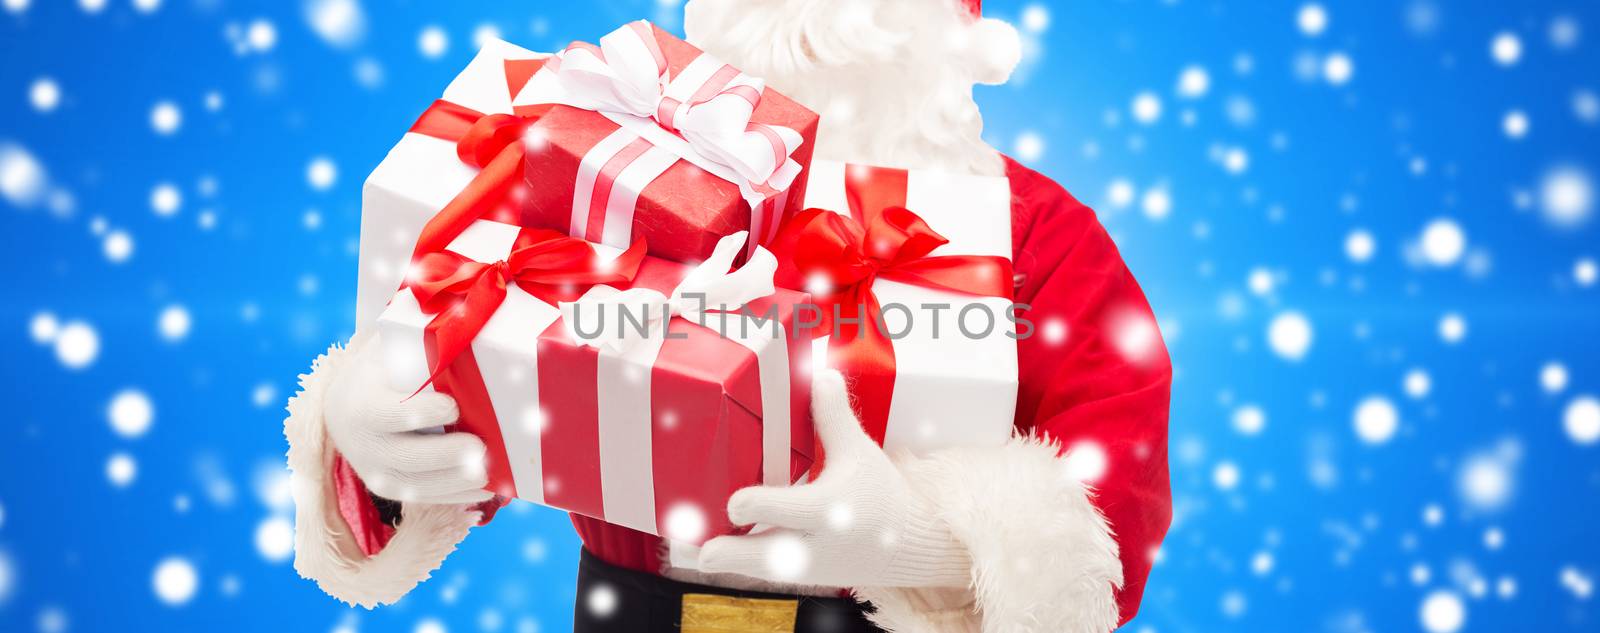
392 443
858 525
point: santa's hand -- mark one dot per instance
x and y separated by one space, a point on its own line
858 525
392 441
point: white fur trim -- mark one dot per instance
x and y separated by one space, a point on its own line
1044 558
324 549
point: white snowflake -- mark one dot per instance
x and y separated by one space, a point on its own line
1360 245
165 199
321 173
1156 203
44 94
1338 68
1225 476
1443 242
1452 328
131 413
173 324
1312 19
602 601
261 35
1553 377
121 469
1506 48
117 246
1564 32
1515 125
77 345
275 538
1146 108
1086 462
1443 612
1585 272
1193 82
1029 146
1376 420
1290 335
432 42
22 177
166 118
1035 18
341 23
1566 196
1417 384
1582 420
175 581
1249 419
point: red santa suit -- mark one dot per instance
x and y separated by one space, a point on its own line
1062 524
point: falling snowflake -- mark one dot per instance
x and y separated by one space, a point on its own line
77 345
1029 146
321 173
1086 462
1566 196
1312 19
117 246
341 23
1553 377
1417 384
22 177
275 539
1376 420
1290 335
1582 420
1146 108
1443 612
121 468
433 42
44 94
165 118
601 601
130 413
1452 328
1360 245
1506 48
1443 242
175 581
1515 125
1193 82
1338 68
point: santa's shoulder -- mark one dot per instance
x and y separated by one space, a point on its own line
1041 207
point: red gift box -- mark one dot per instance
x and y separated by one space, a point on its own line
654 435
682 157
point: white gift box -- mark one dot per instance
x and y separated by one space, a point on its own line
419 177
950 389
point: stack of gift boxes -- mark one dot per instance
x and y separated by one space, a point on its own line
624 265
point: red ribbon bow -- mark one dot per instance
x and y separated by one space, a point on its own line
463 294
838 259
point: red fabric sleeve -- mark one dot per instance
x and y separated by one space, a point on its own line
366 522
1095 370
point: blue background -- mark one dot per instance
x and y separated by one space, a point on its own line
1482 498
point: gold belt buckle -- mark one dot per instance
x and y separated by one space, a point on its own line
707 613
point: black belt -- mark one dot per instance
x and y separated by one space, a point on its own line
612 599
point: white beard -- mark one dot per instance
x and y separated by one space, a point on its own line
891 79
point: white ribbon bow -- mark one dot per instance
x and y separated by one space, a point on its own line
622 320
708 104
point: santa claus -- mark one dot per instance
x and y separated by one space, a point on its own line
1054 531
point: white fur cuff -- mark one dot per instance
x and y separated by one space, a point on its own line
324 549
1043 557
